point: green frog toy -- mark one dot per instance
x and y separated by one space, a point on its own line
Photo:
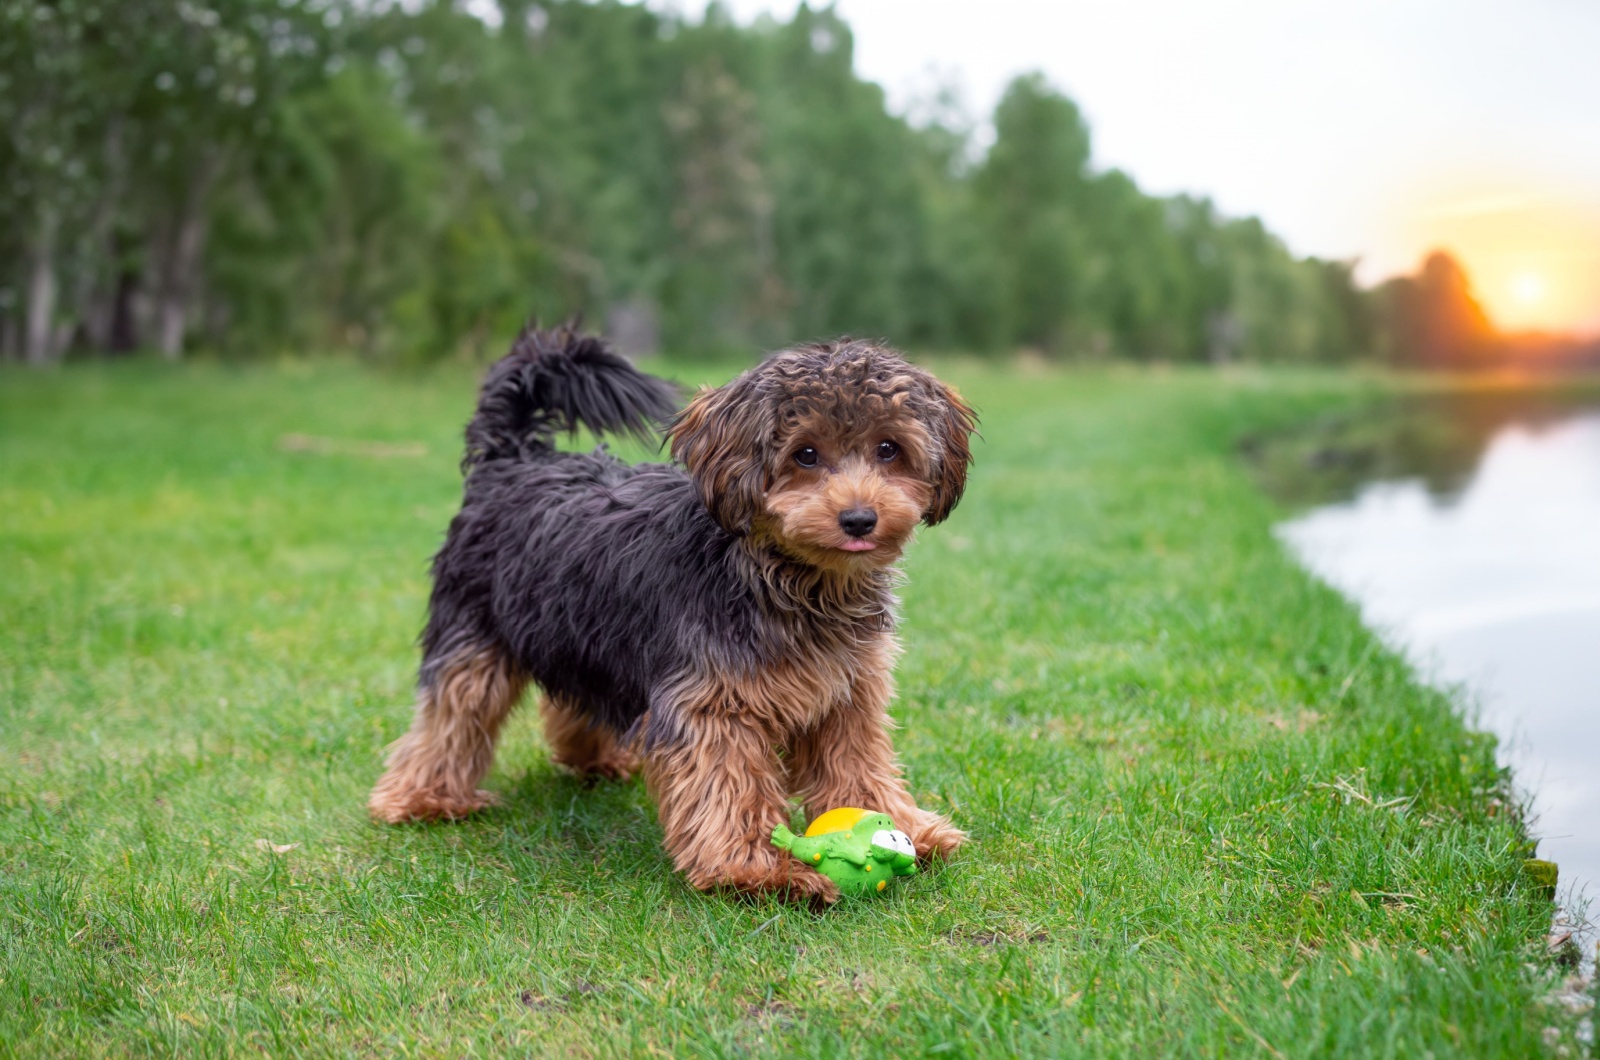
857 849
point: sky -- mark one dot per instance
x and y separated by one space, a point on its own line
1370 129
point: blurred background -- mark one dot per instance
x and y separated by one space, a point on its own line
1241 181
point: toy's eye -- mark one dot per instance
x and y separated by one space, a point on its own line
894 840
887 451
806 457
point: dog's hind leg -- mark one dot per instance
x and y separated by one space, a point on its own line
435 768
588 750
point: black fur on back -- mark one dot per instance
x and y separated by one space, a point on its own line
606 583
555 381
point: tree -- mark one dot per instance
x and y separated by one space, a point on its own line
1141 284
847 214
1032 193
207 101
723 284
56 70
1433 320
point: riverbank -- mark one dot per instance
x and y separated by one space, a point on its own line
1210 812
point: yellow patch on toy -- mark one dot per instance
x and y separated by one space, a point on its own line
838 820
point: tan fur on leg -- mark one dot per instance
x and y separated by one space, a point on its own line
583 748
720 794
435 768
846 759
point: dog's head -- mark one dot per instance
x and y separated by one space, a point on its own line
834 452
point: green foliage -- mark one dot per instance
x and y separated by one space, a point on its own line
411 180
846 214
1032 194
1210 815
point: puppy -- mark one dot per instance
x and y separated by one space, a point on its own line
728 620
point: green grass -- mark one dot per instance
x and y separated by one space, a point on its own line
1209 815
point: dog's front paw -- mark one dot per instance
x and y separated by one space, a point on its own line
934 836
788 880
394 806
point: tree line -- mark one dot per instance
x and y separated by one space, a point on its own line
413 180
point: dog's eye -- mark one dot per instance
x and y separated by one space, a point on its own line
806 457
887 451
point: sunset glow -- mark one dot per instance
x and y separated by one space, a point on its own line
1533 256
1528 289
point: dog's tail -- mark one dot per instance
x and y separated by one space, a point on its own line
558 380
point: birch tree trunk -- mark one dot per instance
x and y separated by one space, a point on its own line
97 290
183 260
39 345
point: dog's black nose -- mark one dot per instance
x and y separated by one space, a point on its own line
858 522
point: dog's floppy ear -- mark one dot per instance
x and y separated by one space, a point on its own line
953 422
720 436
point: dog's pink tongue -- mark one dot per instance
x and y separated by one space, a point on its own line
858 546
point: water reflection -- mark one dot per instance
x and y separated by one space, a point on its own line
1468 530
1436 440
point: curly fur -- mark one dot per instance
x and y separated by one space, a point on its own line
704 614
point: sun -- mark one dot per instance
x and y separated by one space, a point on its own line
1528 288
1531 249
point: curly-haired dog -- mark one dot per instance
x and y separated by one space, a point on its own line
731 619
